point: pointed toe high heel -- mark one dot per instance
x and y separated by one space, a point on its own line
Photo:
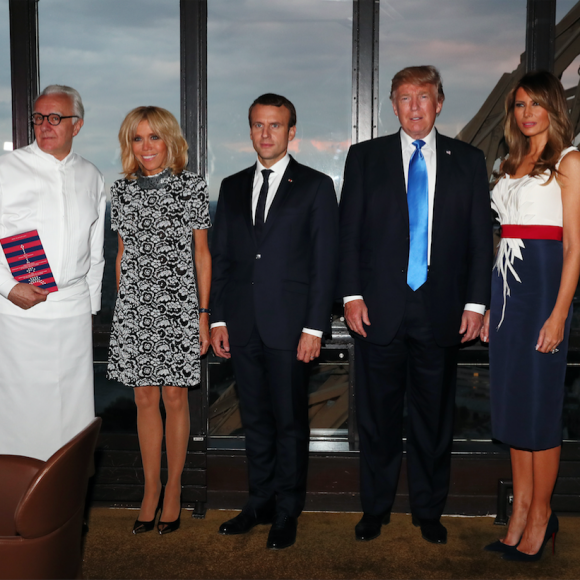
551 531
140 526
168 527
499 546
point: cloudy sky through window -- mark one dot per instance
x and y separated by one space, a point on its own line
123 53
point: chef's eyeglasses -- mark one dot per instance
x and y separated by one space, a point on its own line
52 118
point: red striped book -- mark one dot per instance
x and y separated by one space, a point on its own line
27 260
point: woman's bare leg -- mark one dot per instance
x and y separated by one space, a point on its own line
176 438
150 432
523 487
545 471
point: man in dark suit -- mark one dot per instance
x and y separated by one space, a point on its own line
275 254
415 270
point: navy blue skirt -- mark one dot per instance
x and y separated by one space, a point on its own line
527 387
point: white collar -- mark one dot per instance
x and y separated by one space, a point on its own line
430 139
278 167
48 157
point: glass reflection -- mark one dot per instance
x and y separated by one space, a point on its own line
114 403
471 43
300 49
328 400
118 55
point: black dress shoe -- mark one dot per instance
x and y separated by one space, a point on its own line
282 533
243 523
369 526
431 530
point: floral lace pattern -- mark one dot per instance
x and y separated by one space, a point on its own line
155 334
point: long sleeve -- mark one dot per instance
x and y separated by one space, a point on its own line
95 273
7 281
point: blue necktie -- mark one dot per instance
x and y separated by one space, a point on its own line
418 202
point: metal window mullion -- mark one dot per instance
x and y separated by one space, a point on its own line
24 68
193 41
540 35
365 69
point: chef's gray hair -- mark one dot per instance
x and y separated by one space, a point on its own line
77 102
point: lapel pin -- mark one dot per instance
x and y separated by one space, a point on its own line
289 181
448 152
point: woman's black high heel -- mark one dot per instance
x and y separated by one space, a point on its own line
551 531
168 527
140 527
499 546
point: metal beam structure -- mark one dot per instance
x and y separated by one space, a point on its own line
540 35
365 69
25 78
485 130
193 42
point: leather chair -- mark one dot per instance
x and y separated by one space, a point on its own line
41 510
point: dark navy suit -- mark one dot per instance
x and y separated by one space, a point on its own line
412 342
266 292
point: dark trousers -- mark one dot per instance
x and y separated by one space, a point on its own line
413 364
273 396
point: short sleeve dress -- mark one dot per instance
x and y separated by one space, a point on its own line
527 387
155 333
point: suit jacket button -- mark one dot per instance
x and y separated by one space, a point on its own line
258 256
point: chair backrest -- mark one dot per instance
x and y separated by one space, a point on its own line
60 487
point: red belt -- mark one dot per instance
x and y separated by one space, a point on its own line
532 232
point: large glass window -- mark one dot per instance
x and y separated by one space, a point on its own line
471 43
302 50
5 87
118 55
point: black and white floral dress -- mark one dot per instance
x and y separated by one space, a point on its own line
155 334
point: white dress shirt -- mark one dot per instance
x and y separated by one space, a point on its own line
274 180
65 201
430 154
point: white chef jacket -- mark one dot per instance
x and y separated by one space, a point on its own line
65 201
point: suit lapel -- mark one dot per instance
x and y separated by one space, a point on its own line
246 187
396 181
286 185
445 163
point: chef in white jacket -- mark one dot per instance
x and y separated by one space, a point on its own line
46 368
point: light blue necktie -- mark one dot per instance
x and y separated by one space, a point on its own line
418 202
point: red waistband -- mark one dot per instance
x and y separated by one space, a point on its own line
532 232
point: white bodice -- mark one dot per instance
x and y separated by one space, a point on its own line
524 201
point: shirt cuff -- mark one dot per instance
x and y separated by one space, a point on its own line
7 286
350 298
216 324
479 308
313 332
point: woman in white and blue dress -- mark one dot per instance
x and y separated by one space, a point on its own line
161 319
537 200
